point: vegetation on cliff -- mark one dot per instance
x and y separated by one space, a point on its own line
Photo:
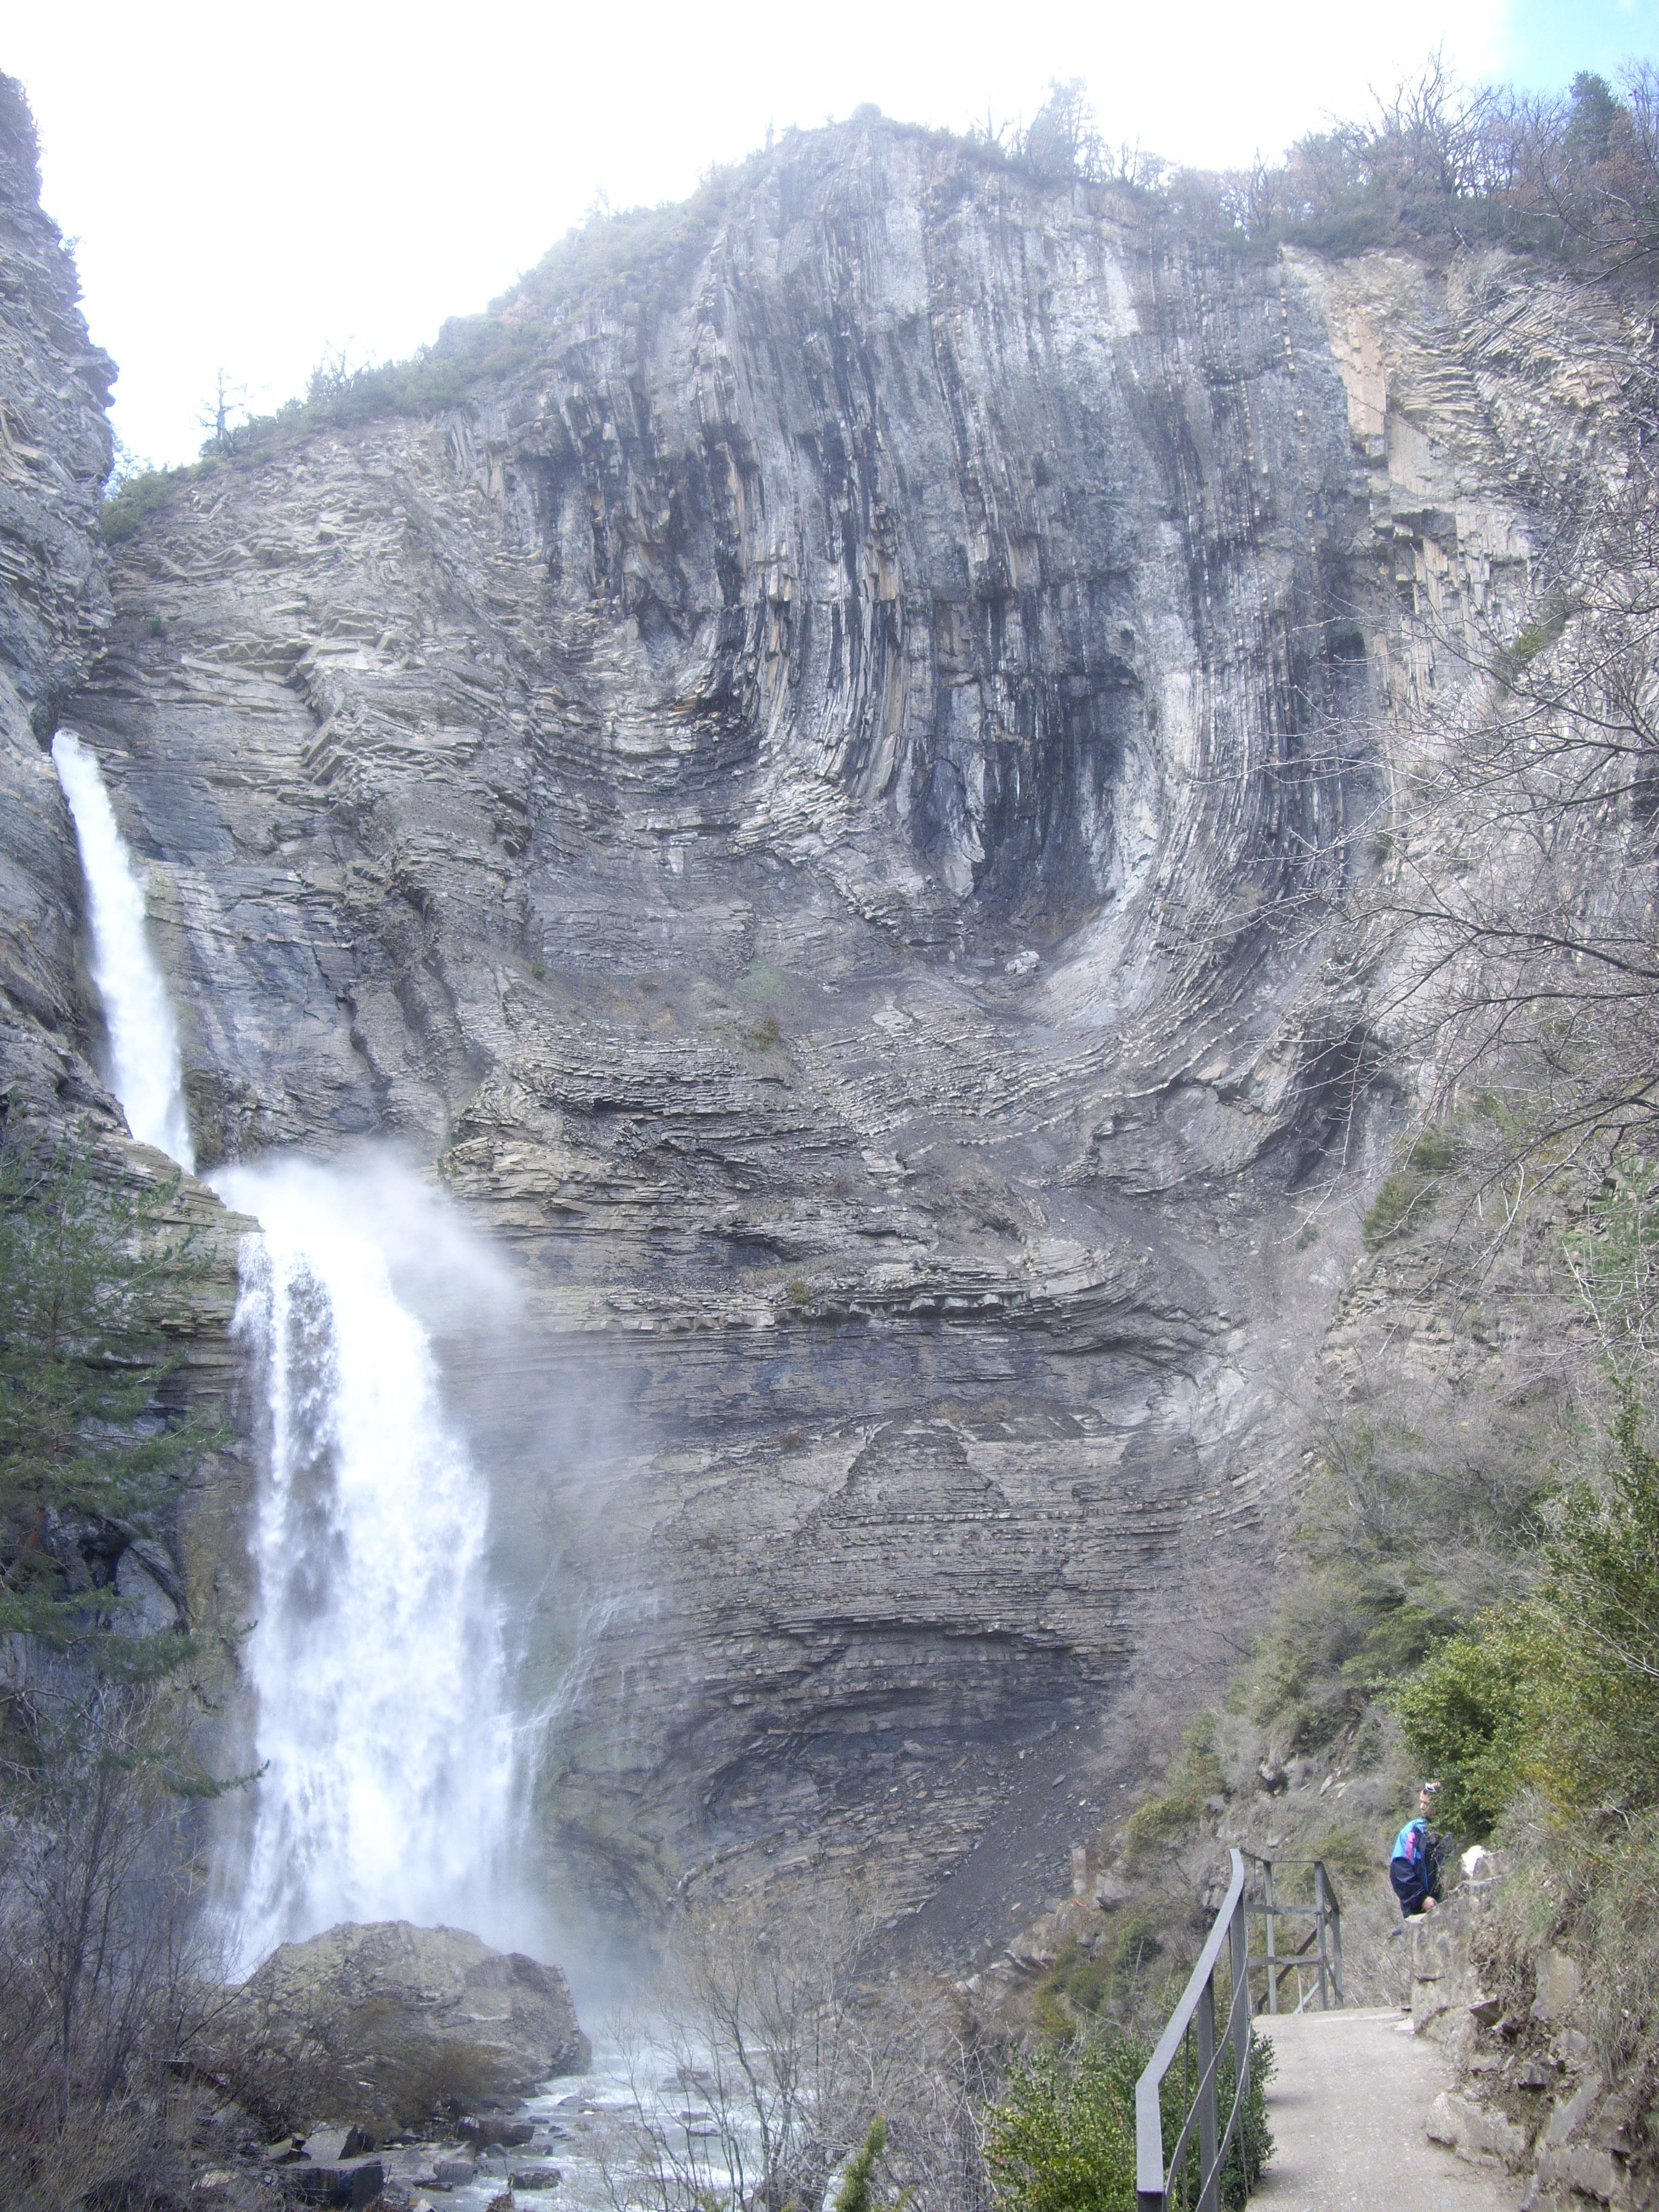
1474 1594
97 1889
93 1443
1436 168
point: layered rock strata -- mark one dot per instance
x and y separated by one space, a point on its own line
819 791
55 607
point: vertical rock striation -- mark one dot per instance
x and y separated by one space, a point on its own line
54 606
813 770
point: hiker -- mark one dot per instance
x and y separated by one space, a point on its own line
1414 1868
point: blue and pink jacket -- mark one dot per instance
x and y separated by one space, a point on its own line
1411 1868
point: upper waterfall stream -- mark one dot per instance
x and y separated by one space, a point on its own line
384 1737
144 1037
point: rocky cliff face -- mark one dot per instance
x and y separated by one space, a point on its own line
818 793
54 604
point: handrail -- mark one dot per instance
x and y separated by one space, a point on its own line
1154 2174
1158 2175
1324 1939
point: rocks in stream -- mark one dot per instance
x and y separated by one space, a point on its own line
328 2145
339 2164
389 2026
343 2181
492 2132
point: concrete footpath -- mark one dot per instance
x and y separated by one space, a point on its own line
1346 2103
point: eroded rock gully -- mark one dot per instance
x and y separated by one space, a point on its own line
819 797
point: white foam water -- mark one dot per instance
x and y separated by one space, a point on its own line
389 1782
388 1776
143 1037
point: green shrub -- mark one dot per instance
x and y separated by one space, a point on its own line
1341 1632
1062 2139
1598 1684
1407 1196
1391 1209
92 1279
1558 1691
1195 1774
1534 637
1469 1718
1434 1151
857 2192
131 504
1101 1984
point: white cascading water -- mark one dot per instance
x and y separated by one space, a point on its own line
144 1037
389 1769
378 1659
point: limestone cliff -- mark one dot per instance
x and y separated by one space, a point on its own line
54 604
55 451
817 783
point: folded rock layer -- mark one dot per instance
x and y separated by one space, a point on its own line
811 768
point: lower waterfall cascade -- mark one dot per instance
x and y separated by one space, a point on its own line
386 1752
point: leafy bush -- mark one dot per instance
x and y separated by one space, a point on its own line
1407 1197
130 505
1063 2137
1415 1522
1598 1688
857 2191
1340 1633
91 1447
1560 1691
1195 1774
1103 1983
1468 1719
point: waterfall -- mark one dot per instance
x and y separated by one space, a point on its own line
387 1756
144 1037
379 1660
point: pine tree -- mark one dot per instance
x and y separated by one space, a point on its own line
95 1441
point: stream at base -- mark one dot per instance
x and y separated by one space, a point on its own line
613 2134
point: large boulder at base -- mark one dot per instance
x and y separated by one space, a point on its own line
389 2024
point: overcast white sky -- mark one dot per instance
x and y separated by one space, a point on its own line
251 186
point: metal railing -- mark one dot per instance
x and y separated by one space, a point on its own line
1161 2183
1323 1940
